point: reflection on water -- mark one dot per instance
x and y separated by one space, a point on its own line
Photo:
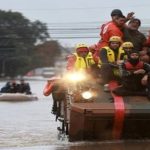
31 126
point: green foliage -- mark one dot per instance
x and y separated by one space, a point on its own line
18 37
46 53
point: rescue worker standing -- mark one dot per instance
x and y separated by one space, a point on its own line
109 57
135 76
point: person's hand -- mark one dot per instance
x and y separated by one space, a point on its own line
130 15
119 62
139 71
144 80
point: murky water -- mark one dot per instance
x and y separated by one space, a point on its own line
31 126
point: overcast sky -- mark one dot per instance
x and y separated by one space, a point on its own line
72 14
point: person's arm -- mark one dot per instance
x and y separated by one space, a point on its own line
129 16
123 71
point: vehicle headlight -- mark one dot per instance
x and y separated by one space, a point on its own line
75 77
87 95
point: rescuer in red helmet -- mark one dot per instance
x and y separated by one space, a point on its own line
80 60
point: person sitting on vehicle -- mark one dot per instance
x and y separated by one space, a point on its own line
135 76
82 59
145 55
132 34
24 87
110 56
113 27
127 47
93 50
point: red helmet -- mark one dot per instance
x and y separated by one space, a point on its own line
82 47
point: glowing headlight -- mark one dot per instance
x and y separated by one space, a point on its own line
87 95
75 77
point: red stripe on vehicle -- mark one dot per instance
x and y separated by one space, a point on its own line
119 112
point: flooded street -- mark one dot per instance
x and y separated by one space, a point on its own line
28 123
31 126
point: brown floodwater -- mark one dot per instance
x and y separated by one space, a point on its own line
31 126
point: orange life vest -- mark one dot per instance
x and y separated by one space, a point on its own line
131 67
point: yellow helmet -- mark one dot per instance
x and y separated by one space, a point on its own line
80 45
128 44
115 39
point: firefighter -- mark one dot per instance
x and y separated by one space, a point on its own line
135 76
127 47
113 27
82 59
109 56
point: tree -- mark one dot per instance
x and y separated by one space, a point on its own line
47 53
18 36
20 32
